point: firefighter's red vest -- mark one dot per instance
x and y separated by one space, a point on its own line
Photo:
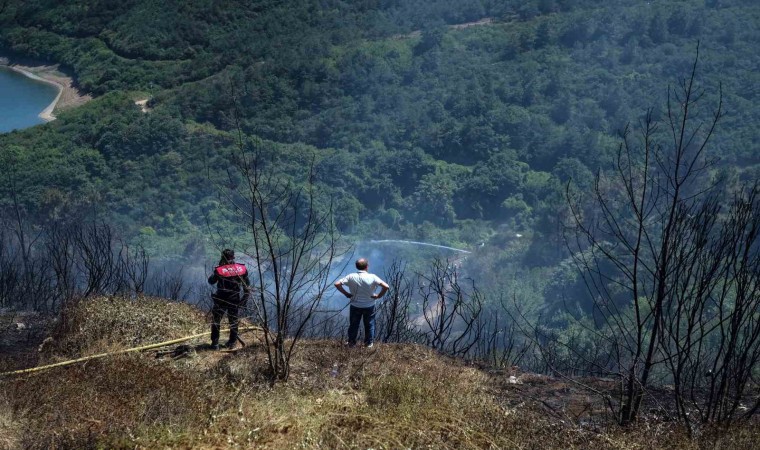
231 270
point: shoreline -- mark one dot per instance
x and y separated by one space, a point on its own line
47 113
68 95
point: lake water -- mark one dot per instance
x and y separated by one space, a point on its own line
22 99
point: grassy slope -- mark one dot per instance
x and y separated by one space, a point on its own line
395 396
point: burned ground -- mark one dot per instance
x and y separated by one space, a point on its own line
391 396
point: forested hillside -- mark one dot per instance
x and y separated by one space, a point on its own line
457 122
582 178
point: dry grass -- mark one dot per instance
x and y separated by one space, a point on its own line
102 324
10 428
76 406
393 396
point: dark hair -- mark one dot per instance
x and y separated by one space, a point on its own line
228 256
362 264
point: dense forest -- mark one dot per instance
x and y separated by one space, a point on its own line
449 121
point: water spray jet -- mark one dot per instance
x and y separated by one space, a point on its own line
395 241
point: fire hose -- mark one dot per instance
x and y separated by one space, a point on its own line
118 352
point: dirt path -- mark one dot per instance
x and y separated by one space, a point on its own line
486 21
458 26
68 94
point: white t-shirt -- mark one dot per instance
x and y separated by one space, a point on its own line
361 285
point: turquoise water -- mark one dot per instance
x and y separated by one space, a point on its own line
22 99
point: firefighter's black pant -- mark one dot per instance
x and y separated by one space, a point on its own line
222 306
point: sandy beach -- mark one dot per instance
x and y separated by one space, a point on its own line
68 95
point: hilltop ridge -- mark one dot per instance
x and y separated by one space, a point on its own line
393 396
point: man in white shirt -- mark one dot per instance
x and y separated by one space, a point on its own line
361 290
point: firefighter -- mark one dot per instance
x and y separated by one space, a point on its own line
230 278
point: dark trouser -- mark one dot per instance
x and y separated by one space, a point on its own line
354 317
222 306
